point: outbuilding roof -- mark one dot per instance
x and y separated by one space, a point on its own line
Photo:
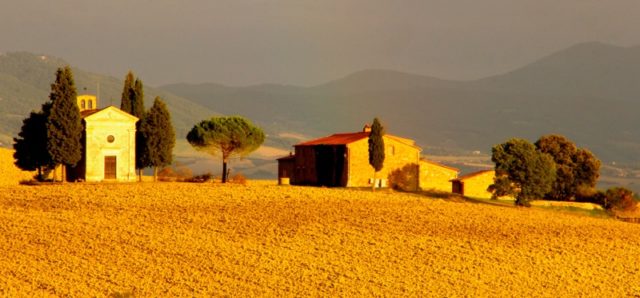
440 165
471 175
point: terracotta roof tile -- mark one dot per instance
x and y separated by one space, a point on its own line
337 139
87 113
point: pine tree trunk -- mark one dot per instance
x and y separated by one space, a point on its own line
139 175
224 171
55 174
39 174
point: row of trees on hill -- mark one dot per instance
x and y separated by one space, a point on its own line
53 135
553 168
155 136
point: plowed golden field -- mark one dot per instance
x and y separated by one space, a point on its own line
179 239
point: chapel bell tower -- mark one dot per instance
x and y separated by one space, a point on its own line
87 102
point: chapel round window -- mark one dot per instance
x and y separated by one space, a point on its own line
110 139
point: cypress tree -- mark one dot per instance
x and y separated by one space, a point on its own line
159 137
31 144
64 125
137 109
376 148
127 93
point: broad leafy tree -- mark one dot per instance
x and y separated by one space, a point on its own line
159 137
575 167
229 137
64 125
376 148
31 144
522 171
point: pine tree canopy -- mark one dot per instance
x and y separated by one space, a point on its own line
227 136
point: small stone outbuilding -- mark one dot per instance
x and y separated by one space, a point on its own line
343 160
475 184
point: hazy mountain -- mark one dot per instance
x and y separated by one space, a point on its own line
588 92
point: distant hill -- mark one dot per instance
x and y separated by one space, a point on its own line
589 92
25 80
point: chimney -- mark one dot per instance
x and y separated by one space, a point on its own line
367 128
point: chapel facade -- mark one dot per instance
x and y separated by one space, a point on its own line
109 144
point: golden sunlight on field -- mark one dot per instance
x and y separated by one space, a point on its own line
169 239
10 174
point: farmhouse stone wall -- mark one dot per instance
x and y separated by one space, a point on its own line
436 177
476 186
397 155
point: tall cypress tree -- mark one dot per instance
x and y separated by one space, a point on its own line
137 109
127 93
376 148
64 125
159 137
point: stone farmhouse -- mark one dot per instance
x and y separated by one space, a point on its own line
343 160
474 184
109 141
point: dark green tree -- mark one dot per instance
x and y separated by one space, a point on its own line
230 137
376 149
159 137
133 103
64 125
575 167
31 144
127 93
522 171
137 109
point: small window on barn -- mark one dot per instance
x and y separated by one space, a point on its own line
110 139
82 104
90 104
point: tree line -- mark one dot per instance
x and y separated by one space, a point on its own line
552 168
53 135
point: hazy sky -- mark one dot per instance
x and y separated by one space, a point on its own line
308 42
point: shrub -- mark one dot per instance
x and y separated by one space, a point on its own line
239 179
588 194
405 178
619 198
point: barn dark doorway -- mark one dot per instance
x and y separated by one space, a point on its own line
330 162
110 167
